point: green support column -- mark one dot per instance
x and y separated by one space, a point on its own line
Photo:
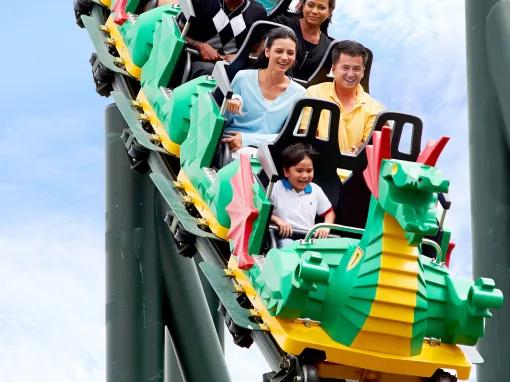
134 320
149 285
213 303
195 340
488 64
172 368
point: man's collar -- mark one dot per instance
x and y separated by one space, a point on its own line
361 95
288 186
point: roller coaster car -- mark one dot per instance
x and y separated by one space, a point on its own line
376 309
369 309
373 303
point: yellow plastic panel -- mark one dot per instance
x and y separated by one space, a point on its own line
122 49
170 146
202 207
391 316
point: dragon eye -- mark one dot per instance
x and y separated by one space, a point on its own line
394 169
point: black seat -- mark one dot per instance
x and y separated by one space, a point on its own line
325 163
324 69
256 34
355 197
146 5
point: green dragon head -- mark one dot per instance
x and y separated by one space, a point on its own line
406 190
409 191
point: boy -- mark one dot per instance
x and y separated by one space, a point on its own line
296 199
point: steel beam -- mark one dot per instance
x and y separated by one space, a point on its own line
488 64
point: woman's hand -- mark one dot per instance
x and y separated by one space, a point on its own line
234 106
321 233
207 52
234 140
284 228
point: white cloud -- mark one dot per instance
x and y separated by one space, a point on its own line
52 315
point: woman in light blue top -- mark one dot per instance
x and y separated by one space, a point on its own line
263 98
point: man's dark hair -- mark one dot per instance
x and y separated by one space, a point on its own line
295 153
351 48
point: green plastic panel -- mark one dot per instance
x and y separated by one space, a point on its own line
227 294
175 114
264 207
99 40
161 63
131 117
355 288
176 204
220 193
141 38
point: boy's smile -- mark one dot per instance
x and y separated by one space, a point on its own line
300 175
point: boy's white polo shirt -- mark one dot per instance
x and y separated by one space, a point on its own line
299 208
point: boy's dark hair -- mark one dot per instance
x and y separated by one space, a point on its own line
295 153
351 48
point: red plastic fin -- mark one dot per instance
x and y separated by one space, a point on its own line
451 246
366 173
432 150
379 150
242 212
119 9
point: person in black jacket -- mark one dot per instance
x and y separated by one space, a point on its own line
219 29
310 26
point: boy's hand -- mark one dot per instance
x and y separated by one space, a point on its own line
321 233
284 228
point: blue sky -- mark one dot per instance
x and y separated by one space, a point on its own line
52 183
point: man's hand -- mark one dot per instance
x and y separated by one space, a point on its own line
229 57
234 140
207 52
234 106
284 228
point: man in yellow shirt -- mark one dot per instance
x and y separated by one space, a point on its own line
357 109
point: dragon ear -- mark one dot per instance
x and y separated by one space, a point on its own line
242 212
430 154
380 149
119 9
